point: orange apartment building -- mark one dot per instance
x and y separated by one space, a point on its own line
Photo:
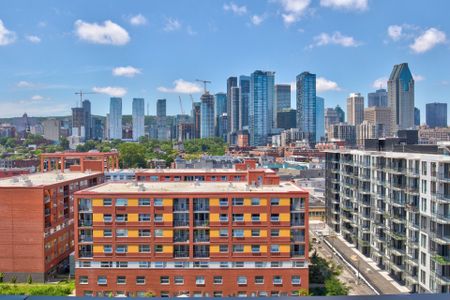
175 237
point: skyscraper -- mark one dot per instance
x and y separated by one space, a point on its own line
378 98
306 105
282 100
196 117
244 97
401 98
234 113
341 114
260 106
138 118
320 118
220 104
355 109
161 108
416 116
381 117
87 119
115 118
231 82
207 115
436 114
78 122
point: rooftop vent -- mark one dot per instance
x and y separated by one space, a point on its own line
14 179
141 188
59 176
27 182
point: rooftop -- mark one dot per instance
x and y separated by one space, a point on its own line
199 171
389 154
189 187
42 179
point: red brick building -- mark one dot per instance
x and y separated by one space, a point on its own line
79 161
36 222
197 238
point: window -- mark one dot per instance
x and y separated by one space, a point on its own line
107 233
217 280
255 201
274 201
238 264
277 280
238 201
144 232
223 248
275 232
256 218
164 280
121 280
238 248
144 248
256 232
106 264
199 280
217 294
223 232
158 232
107 202
158 202
223 218
121 217
121 264
275 217
121 232
423 240
164 294
242 280
238 217
158 218
158 248
255 248
423 258
107 248
107 218
178 280
101 280
144 202
275 248
260 264
144 217
295 280
160 264
259 279
276 264
224 264
83 280
88 293
144 264
238 233
140 279
121 249
223 202
121 202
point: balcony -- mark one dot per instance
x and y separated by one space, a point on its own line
180 223
180 254
84 223
201 254
85 254
441 260
442 198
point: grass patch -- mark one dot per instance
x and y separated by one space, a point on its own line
37 289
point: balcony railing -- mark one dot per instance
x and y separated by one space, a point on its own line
179 254
180 223
201 254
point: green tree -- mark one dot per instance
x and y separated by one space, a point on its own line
29 279
64 142
334 287
132 155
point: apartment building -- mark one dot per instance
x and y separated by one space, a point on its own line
36 222
200 238
395 208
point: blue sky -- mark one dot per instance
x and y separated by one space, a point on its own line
155 49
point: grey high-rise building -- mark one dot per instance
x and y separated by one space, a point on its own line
341 114
306 105
235 110
207 115
320 119
260 106
287 118
115 118
231 82
416 116
244 98
98 127
355 109
196 111
401 98
138 118
379 98
87 119
161 108
282 100
220 108
436 114
78 128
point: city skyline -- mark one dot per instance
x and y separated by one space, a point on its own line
311 36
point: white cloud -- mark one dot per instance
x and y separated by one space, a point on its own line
6 36
293 10
236 9
33 39
128 71
32 108
112 91
108 33
336 38
325 85
257 20
182 86
138 20
395 32
191 31
37 98
428 40
380 82
25 84
346 4
418 77
172 25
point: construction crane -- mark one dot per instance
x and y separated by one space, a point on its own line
204 83
181 105
192 100
81 93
